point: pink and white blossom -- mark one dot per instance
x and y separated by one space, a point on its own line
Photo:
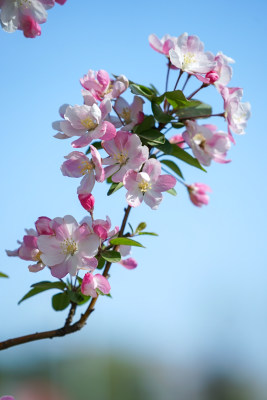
71 247
7 398
91 283
206 143
189 56
163 45
130 114
222 72
85 121
101 227
78 165
147 185
125 152
198 194
236 113
101 86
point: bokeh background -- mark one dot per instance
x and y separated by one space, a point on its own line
190 323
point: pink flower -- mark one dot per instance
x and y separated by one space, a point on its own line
71 247
188 55
206 143
100 86
87 201
7 398
197 193
43 226
177 139
85 121
147 185
130 114
102 228
125 152
91 283
78 165
236 113
163 45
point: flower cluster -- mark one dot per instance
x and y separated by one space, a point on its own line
25 15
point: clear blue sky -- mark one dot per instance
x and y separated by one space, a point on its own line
210 263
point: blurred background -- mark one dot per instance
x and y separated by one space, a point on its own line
190 323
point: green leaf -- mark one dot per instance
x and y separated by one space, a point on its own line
43 286
177 125
130 227
148 122
200 110
49 285
166 147
177 99
77 297
174 167
141 90
101 263
159 114
159 99
60 301
155 90
98 291
97 145
111 256
186 157
140 227
2 275
172 192
124 241
148 233
153 136
114 187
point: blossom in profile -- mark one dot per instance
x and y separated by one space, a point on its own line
189 56
147 185
236 112
100 86
125 152
78 165
128 263
206 143
25 15
71 247
91 283
87 201
130 114
163 45
198 194
85 121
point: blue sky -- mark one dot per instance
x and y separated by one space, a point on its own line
199 293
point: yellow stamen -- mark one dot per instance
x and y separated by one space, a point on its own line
189 58
86 167
126 115
144 186
69 246
121 158
200 140
88 123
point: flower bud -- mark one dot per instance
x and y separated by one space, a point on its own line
198 195
87 201
212 76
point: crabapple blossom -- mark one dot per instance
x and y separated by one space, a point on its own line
236 113
91 283
162 45
125 152
177 139
101 227
222 73
78 165
71 247
206 143
130 114
188 55
7 398
85 121
87 201
147 185
43 227
198 195
101 86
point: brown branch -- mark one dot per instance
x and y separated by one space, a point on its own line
67 328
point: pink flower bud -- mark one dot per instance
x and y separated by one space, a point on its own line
197 193
87 201
212 76
30 27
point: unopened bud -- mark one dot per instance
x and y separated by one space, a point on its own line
87 201
212 76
